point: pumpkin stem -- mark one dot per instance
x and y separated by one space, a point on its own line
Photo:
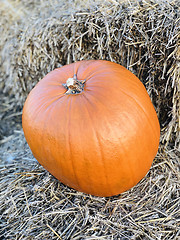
73 85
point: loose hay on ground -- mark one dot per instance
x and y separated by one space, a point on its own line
34 205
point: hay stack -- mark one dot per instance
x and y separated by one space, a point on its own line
140 35
16 20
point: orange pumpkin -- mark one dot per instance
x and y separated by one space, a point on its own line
92 125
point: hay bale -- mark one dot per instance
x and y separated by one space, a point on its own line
17 21
140 35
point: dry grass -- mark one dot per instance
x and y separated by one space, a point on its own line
34 205
38 36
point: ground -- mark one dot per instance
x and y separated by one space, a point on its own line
35 205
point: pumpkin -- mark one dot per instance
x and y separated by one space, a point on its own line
92 125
